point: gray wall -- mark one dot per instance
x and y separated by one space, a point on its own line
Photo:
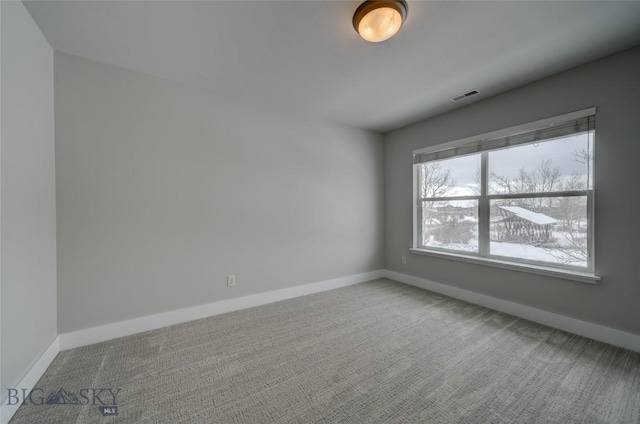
28 312
163 191
613 86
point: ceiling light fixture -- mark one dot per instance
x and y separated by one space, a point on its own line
379 20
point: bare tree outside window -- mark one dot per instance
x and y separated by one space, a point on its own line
447 222
436 180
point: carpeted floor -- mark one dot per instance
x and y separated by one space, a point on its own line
377 352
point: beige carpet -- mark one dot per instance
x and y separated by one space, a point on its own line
378 352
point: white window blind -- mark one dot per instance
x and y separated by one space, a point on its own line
563 129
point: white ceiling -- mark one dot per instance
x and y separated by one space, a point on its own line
305 55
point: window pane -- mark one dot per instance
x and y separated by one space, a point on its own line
552 229
450 225
450 177
562 164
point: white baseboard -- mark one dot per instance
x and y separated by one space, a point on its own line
582 328
29 381
152 322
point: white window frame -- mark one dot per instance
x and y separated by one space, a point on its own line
582 274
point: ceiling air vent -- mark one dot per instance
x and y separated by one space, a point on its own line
464 96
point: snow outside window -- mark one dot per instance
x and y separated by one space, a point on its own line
525 197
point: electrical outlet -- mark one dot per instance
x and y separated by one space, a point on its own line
231 280
404 260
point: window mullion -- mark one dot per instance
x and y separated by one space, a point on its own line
483 206
571 193
417 207
590 264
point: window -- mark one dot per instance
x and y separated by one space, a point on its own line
522 195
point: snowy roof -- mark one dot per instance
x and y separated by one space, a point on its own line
526 214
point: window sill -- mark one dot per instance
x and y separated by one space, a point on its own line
584 277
